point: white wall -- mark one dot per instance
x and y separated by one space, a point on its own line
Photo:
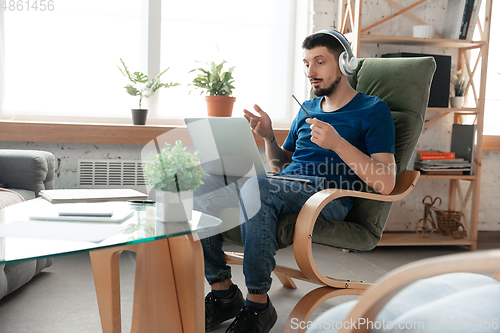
436 136
67 155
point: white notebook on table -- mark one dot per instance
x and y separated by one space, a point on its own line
114 212
91 195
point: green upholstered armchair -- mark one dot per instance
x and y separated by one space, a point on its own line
404 84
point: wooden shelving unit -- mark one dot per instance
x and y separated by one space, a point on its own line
410 41
350 19
412 239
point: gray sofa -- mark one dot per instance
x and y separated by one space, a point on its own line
23 174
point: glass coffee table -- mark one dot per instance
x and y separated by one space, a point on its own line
169 281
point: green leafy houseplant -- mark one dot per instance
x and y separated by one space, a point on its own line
213 81
141 85
174 169
219 87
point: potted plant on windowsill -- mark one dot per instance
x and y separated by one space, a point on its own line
460 85
219 87
174 174
142 86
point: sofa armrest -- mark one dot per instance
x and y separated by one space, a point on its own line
27 169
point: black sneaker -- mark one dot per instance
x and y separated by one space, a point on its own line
251 320
218 310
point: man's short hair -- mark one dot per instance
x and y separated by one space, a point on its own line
322 39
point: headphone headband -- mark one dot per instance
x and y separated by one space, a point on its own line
347 61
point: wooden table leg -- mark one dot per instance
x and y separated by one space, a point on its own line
168 291
187 261
106 270
156 306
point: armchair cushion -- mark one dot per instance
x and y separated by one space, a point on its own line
439 304
324 231
404 85
28 170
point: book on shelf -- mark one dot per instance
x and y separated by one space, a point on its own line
443 167
464 28
453 19
473 19
91 195
438 164
435 155
443 172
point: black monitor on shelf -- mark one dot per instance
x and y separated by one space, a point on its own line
440 86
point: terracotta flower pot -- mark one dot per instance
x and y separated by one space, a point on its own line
220 106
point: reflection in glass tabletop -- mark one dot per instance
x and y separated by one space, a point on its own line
19 243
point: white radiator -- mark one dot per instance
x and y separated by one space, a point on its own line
111 174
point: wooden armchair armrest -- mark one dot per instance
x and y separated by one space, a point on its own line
302 240
375 298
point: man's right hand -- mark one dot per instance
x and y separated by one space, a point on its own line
261 125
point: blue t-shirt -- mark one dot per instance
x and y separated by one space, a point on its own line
365 122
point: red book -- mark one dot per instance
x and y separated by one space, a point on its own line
434 155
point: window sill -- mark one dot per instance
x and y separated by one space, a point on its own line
491 142
72 132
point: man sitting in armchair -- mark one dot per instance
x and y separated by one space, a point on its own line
346 142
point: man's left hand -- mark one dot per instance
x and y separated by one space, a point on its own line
323 134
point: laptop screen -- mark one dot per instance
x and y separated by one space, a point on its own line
227 146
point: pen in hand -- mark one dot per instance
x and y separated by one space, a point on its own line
302 107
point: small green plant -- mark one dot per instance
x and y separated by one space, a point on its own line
460 84
142 85
214 82
174 169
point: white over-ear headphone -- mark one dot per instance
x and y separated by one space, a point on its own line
347 61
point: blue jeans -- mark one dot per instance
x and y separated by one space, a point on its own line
260 200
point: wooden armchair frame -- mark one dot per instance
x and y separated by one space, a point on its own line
302 248
373 301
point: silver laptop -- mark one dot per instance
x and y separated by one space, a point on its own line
227 147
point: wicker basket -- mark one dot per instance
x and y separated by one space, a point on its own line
448 223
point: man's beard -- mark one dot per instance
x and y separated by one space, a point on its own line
329 90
